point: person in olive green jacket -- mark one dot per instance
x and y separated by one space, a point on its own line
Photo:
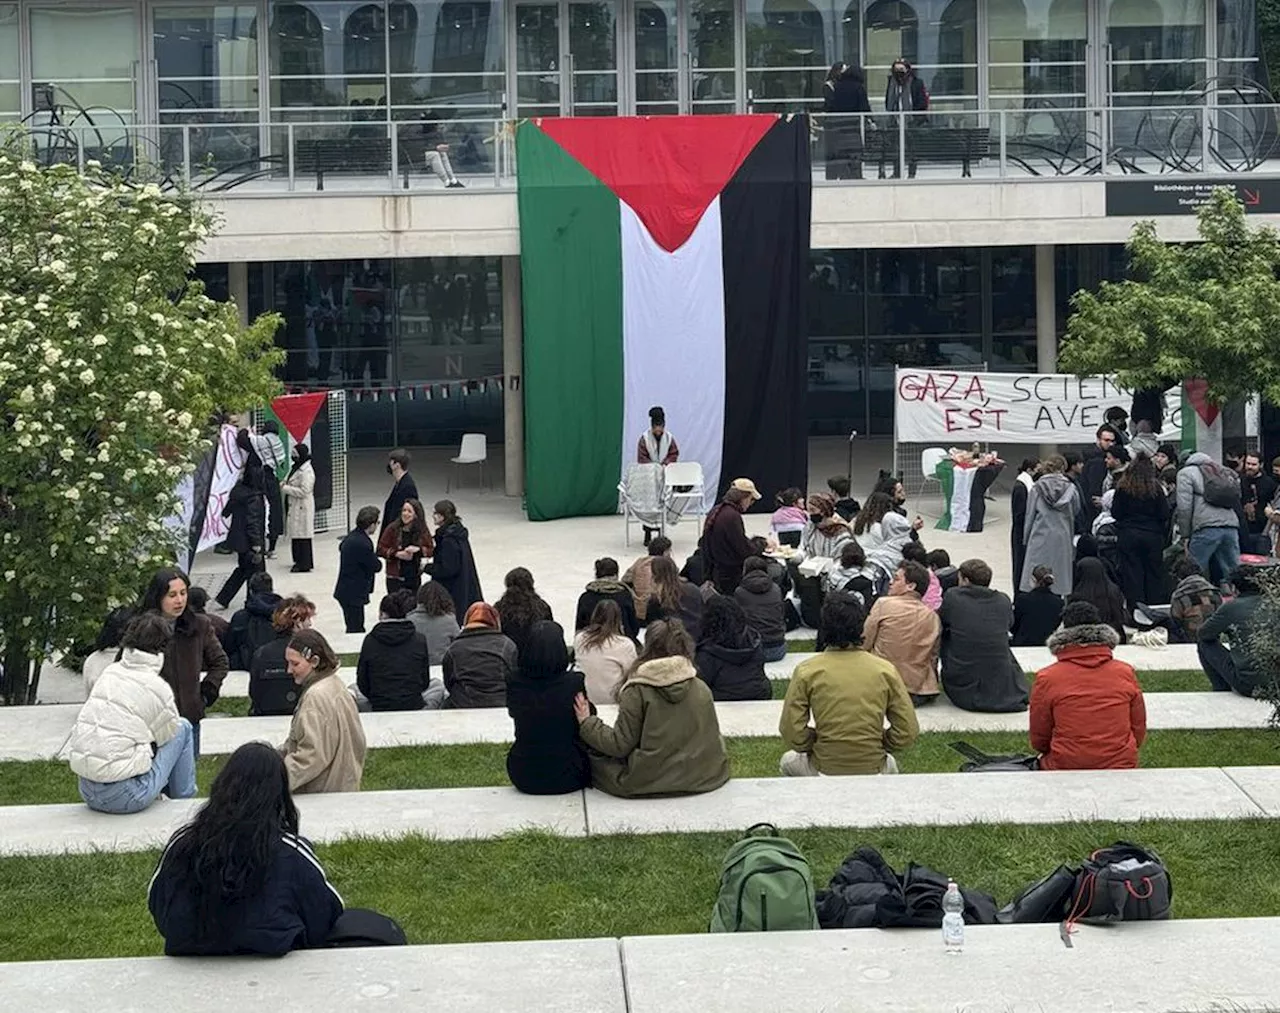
850 692
666 739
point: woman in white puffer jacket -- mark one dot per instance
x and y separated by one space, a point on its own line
129 743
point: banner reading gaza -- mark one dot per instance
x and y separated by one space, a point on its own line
939 405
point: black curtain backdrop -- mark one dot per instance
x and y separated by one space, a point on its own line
764 213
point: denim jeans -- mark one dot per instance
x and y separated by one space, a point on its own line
1219 665
173 770
1217 551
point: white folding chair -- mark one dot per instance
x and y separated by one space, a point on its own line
930 458
683 489
474 450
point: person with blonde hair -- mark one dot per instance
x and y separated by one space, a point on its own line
325 748
666 738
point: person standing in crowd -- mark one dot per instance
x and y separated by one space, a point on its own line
1208 498
300 491
666 738
905 93
406 544
1257 490
394 670
271 688
1022 484
1194 599
790 519
1087 711
247 537
826 532
1236 668
403 487
656 445
728 656
1094 585
1117 460
725 546
547 756
238 879
1141 512
604 652
851 696
194 662
1048 532
358 565
435 619
1036 613
846 96
639 575
269 448
882 532
325 749
979 671
520 606
607 587
1093 473
761 603
904 631
846 506
251 627
479 662
1118 419
453 564
129 742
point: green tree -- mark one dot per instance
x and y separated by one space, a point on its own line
1209 309
112 359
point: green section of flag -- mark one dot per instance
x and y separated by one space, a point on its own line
945 473
571 284
282 469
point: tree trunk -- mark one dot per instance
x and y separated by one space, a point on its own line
17 687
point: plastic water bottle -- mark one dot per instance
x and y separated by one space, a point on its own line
953 918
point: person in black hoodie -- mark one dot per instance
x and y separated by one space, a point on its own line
271 687
394 670
607 587
729 659
251 627
358 565
454 565
247 537
547 756
761 602
1036 613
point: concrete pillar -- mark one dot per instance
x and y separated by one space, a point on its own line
513 376
238 287
1046 323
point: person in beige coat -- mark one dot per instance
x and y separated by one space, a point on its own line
325 748
300 491
903 630
603 653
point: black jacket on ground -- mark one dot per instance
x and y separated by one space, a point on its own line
294 910
979 671
734 673
394 667
455 567
248 512
1036 614
607 590
358 564
762 602
477 666
548 756
271 687
250 629
404 490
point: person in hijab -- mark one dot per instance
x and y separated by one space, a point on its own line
299 490
547 756
827 532
480 661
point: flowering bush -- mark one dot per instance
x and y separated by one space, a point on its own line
111 362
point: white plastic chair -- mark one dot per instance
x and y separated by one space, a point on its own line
930 458
683 489
474 450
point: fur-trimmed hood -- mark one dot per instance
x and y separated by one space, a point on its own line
668 675
1097 636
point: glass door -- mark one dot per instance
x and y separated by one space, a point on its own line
592 58
712 81
566 58
657 58
537 58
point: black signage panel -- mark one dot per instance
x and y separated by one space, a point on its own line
1150 196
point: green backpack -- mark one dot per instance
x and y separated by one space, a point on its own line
765 886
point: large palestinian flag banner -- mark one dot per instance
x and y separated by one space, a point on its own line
664 262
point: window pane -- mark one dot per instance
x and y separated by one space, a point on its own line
711 56
329 56
939 37
86 57
10 98
790 46
447 58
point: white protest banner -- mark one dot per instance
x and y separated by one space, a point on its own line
946 406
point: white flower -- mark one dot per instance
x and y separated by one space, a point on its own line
109 255
57 266
143 350
27 395
52 354
159 319
72 494
47 390
154 400
10 574
73 321
87 377
96 476
66 453
99 340
77 597
184 420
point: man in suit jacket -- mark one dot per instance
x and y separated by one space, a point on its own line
358 564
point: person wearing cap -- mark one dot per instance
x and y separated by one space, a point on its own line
657 446
725 546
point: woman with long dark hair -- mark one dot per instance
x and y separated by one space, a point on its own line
1092 584
1141 512
238 878
405 544
300 491
603 652
453 564
547 757
520 606
729 657
194 662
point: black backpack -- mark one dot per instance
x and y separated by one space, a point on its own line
1122 883
1221 487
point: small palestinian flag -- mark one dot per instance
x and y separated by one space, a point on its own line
664 262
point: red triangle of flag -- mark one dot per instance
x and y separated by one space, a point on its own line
298 411
1197 393
667 169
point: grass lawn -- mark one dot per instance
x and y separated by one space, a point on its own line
535 886
484 764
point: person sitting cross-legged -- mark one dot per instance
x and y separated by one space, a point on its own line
729 656
129 743
761 601
979 671
666 738
1087 711
849 693
607 587
1234 666
394 670
903 630
479 662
